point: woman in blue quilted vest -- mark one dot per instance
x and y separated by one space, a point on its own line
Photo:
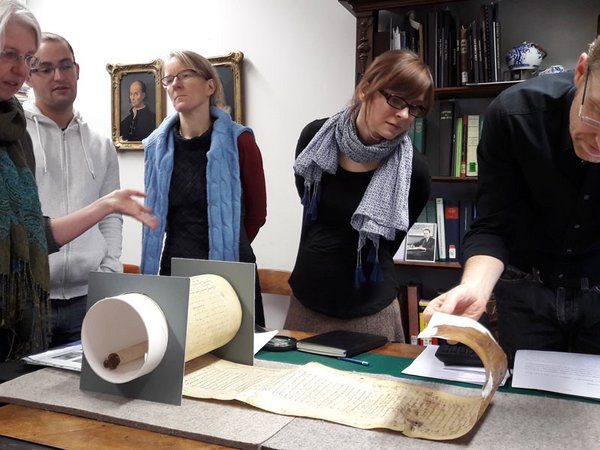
203 175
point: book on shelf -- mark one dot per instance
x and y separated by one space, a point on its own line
441 230
407 33
464 55
431 42
413 295
465 218
463 154
452 229
340 343
453 52
415 34
496 41
485 43
418 134
472 142
430 211
458 147
477 56
421 242
422 324
459 49
446 137
447 42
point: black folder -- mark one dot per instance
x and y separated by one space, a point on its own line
341 343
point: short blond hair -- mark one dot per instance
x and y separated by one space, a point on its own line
203 66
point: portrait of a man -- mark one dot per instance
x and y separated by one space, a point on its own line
140 120
421 242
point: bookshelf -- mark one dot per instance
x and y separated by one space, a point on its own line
563 29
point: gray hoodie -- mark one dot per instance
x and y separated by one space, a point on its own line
75 167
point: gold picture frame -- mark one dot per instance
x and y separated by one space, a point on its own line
229 68
125 133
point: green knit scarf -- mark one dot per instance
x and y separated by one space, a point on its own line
24 276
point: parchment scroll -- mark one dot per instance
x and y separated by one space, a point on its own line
358 400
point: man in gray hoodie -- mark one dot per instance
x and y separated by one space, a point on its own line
75 166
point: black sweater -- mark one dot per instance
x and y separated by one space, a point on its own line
324 273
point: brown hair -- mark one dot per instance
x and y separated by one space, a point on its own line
53 37
203 66
399 71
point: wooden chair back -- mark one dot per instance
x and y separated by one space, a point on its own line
131 268
274 281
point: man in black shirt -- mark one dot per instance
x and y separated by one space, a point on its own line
538 206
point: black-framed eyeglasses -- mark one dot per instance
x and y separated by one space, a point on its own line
11 56
46 70
183 76
395 101
585 119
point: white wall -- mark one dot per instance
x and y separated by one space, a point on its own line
298 66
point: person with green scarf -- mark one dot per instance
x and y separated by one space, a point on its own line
26 237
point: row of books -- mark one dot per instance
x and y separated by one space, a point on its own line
479 48
408 34
439 232
457 53
459 137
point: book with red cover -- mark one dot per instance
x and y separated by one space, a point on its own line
452 228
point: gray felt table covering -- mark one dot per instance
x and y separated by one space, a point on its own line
511 421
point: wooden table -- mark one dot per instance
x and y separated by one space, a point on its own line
73 432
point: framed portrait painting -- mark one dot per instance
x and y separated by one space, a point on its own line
229 69
138 102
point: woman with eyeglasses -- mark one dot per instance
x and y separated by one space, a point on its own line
362 186
203 175
26 237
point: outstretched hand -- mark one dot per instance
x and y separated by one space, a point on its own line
123 201
462 300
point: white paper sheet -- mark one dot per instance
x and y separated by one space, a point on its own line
427 365
565 373
261 339
65 357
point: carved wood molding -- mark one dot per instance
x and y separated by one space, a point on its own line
364 43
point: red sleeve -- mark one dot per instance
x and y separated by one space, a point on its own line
254 191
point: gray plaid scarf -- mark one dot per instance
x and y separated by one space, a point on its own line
384 207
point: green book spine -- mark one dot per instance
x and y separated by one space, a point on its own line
458 147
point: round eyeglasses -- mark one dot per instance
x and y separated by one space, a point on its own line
183 76
11 56
395 101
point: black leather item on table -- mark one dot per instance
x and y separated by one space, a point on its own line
457 355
